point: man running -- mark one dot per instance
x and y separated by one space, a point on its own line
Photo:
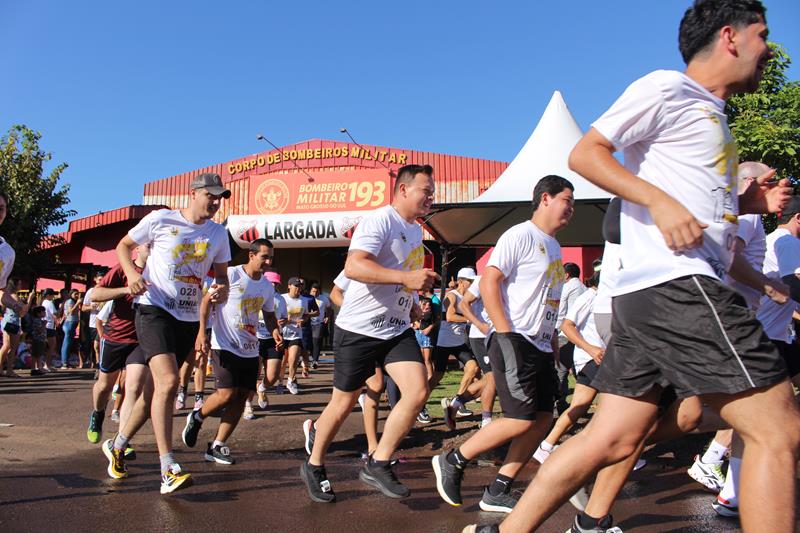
234 347
185 244
675 322
385 266
298 315
471 307
521 288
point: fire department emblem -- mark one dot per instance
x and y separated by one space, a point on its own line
272 197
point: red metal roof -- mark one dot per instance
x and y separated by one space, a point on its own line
104 218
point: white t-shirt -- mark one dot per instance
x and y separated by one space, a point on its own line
295 309
50 313
782 259
571 290
377 310
477 309
608 278
105 312
751 231
7 257
87 300
234 323
181 256
581 312
452 333
674 134
530 260
280 312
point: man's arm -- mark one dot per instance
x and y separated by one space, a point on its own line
272 325
451 312
104 294
136 282
570 331
364 267
221 283
465 306
492 299
201 344
593 158
742 272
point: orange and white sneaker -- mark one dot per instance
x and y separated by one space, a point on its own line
174 478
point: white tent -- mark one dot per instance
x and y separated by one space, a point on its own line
508 200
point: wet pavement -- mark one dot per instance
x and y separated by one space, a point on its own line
52 478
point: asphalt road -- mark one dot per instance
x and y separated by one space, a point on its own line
52 478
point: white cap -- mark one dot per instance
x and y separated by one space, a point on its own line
467 273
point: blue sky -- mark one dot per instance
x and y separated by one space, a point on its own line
128 93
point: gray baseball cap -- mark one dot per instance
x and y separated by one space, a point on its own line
212 183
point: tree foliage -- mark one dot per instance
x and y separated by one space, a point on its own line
36 202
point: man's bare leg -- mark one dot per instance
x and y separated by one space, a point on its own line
136 377
370 412
411 379
164 370
329 422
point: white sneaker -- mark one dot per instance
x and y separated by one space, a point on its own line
180 401
580 499
707 474
541 454
361 399
291 386
248 412
485 422
115 416
263 401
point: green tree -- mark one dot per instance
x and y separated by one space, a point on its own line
766 123
36 202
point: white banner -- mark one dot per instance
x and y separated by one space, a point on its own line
296 230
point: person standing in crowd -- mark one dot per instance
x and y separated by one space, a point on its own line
572 289
71 314
235 347
319 323
92 308
521 289
675 321
385 267
12 329
51 318
185 244
306 329
39 342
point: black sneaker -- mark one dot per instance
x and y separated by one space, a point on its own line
219 454
448 479
316 480
309 431
384 479
501 503
189 434
423 417
604 525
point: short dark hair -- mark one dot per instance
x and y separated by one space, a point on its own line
791 209
594 280
256 245
315 285
407 174
551 185
573 270
705 18
36 310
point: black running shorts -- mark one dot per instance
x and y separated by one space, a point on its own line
441 355
160 332
481 355
114 355
233 371
790 355
266 349
356 356
525 376
694 333
294 342
587 374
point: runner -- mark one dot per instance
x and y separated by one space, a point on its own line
319 323
185 244
471 307
292 332
521 288
674 321
385 266
307 330
91 307
234 347
51 319
572 289
118 343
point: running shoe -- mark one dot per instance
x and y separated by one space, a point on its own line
95 430
309 431
448 479
316 480
219 454
423 417
291 386
130 453
449 414
116 460
174 478
190 431
263 401
279 389
198 401
114 392
501 503
463 412
604 525
541 454
115 416
248 413
707 474
485 422
384 479
180 400
724 507
314 365
304 372
361 399
580 499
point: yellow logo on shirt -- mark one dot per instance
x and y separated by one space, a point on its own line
553 277
191 252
